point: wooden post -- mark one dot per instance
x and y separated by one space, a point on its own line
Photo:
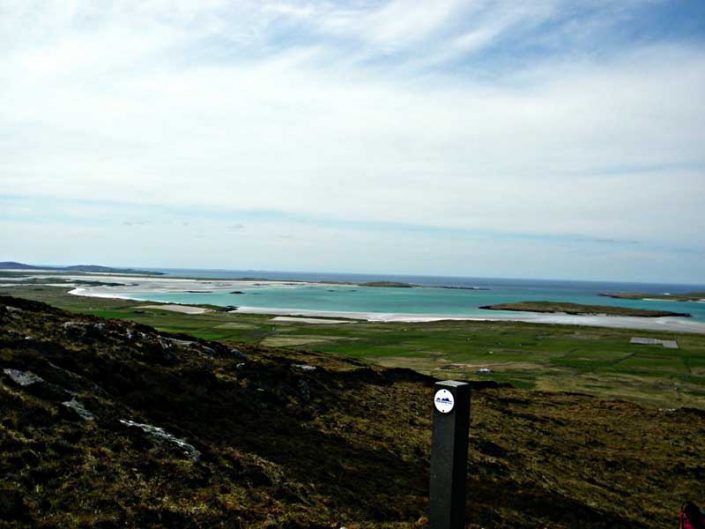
449 454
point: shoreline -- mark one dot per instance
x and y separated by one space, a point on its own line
618 322
664 324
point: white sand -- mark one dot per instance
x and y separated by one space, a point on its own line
294 319
619 322
183 309
81 291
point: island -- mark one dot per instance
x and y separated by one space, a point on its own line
687 296
464 288
386 284
578 309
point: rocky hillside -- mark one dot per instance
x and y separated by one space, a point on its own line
111 424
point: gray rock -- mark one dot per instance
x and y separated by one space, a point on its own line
236 353
79 408
165 344
22 378
305 367
161 435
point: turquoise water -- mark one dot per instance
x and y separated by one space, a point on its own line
430 299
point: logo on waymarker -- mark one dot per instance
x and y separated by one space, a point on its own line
443 400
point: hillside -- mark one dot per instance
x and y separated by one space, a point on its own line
112 424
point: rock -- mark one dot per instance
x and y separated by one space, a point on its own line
165 344
181 342
22 378
223 351
79 409
36 385
305 367
236 353
208 350
161 435
159 351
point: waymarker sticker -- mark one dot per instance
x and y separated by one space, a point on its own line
444 401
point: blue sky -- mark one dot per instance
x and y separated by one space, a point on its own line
551 139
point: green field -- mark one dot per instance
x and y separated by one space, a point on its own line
591 360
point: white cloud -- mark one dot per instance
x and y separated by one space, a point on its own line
195 104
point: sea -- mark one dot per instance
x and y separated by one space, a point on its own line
442 295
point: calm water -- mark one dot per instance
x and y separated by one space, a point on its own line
431 300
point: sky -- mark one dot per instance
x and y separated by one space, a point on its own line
540 139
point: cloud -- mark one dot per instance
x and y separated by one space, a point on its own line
474 116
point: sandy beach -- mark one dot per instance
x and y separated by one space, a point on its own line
183 309
619 322
128 285
297 319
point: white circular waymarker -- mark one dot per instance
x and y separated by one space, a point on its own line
444 401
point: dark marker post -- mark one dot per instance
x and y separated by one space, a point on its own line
449 454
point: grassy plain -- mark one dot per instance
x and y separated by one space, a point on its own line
592 360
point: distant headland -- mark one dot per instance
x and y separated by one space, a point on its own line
97 269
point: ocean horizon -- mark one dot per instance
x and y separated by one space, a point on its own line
422 279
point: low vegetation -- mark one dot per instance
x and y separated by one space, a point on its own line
687 296
387 284
109 423
577 308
